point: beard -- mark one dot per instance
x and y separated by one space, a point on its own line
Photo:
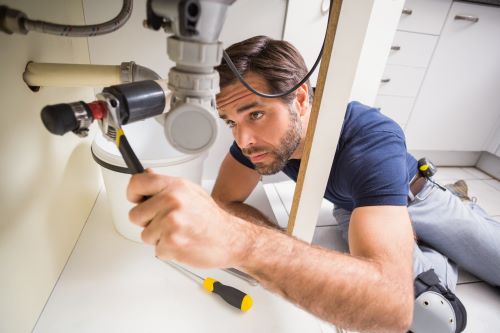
281 154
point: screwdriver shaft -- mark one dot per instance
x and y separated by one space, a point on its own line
231 295
183 270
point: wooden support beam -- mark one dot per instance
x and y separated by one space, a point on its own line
359 36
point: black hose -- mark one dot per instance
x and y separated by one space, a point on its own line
280 94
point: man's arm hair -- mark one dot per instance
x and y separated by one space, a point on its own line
371 289
248 213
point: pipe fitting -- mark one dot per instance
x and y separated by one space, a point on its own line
132 72
12 21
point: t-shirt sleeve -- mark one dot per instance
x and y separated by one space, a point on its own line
235 151
379 174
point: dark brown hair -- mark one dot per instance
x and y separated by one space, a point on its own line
277 61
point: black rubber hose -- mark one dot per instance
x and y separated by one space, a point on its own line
284 93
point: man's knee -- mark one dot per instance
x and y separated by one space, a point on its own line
436 309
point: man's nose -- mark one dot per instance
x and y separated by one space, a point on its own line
244 137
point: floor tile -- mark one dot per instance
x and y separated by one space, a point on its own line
476 173
483 307
286 191
487 196
325 217
329 237
279 210
259 199
493 183
453 173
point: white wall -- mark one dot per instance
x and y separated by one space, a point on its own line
493 145
48 184
245 18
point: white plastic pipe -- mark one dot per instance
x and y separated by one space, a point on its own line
71 75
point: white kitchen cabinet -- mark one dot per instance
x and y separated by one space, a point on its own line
411 49
401 80
419 26
395 107
424 16
458 105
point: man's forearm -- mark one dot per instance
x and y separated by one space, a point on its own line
351 292
248 213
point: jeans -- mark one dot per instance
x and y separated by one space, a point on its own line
450 233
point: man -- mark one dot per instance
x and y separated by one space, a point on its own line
372 287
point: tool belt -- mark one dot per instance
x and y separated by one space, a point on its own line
417 184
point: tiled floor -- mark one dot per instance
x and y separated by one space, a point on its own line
481 300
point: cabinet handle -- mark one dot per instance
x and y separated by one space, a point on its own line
469 18
407 11
395 48
385 80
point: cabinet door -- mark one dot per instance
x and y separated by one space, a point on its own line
411 49
424 16
401 81
395 107
459 101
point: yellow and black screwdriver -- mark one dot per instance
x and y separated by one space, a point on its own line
231 295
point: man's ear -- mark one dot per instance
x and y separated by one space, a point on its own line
302 98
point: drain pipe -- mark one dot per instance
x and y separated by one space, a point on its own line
80 75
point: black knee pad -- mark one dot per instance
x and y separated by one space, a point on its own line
436 309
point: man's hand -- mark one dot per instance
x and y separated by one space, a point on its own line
185 223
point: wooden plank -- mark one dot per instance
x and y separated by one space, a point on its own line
359 36
313 118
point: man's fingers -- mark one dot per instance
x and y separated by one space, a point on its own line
144 212
152 232
156 206
164 251
146 184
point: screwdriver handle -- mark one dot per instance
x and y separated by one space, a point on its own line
231 295
131 160
128 154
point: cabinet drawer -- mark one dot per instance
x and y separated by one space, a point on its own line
411 49
460 92
424 16
401 81
395 107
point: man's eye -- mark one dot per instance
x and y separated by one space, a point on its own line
256 115
230 123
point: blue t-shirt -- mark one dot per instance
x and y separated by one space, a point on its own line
371 166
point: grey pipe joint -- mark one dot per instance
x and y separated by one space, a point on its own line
12 21
131 72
